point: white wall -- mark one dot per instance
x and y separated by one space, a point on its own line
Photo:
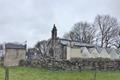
113 54
68 53
73 53
94 53
104 54
85 52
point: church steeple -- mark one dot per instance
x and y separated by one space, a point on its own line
54 32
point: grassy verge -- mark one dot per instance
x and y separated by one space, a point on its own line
27 73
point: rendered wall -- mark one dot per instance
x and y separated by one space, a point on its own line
13 56
73 53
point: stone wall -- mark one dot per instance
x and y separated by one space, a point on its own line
13 56
75 64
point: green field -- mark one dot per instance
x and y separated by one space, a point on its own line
27 73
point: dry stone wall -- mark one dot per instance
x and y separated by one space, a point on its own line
74 64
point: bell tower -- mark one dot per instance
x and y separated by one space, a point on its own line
54 32
54 41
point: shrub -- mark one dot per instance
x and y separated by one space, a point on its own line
23 63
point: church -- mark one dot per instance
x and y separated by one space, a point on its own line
60 48
65 49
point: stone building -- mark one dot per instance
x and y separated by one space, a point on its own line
64 49
14 53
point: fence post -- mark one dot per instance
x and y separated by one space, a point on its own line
95 72
6 73
95 75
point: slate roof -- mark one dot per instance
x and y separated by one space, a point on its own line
64 42
75 43
14 46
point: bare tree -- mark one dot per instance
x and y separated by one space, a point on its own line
106 29
116 41
41 48
82 31
70 35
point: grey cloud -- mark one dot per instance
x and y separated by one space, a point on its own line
32 20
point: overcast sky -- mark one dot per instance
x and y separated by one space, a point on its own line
32 20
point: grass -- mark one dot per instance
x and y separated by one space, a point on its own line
27 73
